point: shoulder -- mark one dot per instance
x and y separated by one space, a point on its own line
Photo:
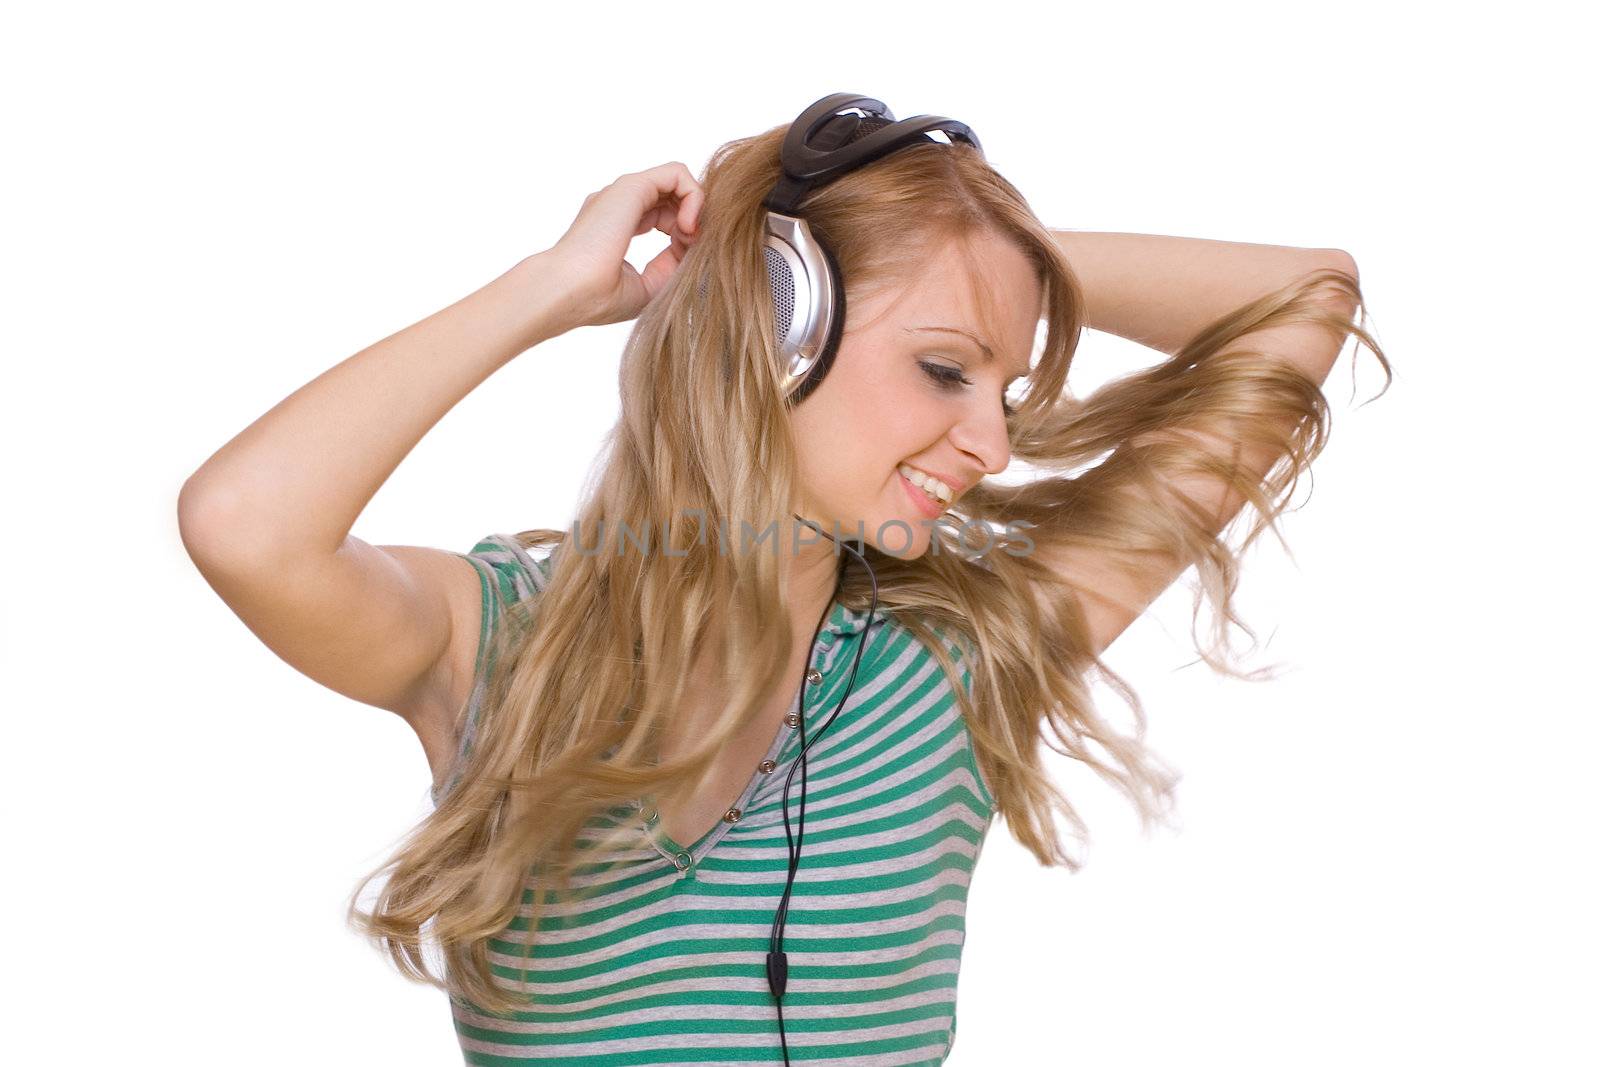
921 634
517 574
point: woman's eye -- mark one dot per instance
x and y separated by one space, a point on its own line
949 377
946 376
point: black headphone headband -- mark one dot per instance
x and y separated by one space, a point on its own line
823 144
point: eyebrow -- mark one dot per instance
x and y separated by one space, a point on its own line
988 353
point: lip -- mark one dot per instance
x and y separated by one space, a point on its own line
923 502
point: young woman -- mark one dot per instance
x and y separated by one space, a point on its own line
776 572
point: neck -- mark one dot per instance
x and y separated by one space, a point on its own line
810 577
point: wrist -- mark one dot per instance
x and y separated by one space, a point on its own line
542 290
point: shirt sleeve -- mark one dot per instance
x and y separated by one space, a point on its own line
507 573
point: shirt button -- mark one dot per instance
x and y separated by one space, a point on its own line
731 816
648 815
791 720
767 766
814 676
682 861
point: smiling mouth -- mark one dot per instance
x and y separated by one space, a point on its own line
932 487
929 496
931 507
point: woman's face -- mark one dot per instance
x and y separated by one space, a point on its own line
907 390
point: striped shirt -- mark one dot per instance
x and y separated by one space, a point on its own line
666 964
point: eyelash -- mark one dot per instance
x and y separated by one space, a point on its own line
949 378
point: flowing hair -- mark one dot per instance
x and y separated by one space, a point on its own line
588 671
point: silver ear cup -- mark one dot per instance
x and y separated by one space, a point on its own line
805 300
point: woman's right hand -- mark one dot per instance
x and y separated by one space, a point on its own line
592 253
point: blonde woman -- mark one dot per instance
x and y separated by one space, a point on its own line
795 559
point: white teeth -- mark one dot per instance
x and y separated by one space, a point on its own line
927 483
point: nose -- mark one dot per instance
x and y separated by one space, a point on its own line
982 435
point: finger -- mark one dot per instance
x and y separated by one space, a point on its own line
672 178
660 269
675 185
658 217
689 213
680 244
632 198
669 219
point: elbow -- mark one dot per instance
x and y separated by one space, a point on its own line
1345 295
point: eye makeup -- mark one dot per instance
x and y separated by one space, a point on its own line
951 378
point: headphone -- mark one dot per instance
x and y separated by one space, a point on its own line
808 311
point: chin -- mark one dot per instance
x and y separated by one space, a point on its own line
889 537
893 532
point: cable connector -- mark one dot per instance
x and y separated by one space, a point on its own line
777 972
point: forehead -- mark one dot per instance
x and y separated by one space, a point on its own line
972 295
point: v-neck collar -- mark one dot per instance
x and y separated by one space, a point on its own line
692 854
841 622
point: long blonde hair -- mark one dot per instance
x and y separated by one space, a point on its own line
589 670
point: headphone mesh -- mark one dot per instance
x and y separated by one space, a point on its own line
781 280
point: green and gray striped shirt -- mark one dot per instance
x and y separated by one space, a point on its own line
666 964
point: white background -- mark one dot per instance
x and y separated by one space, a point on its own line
1387 854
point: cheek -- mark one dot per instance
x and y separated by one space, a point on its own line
903 422
890 403
856 429
862 478
895 422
